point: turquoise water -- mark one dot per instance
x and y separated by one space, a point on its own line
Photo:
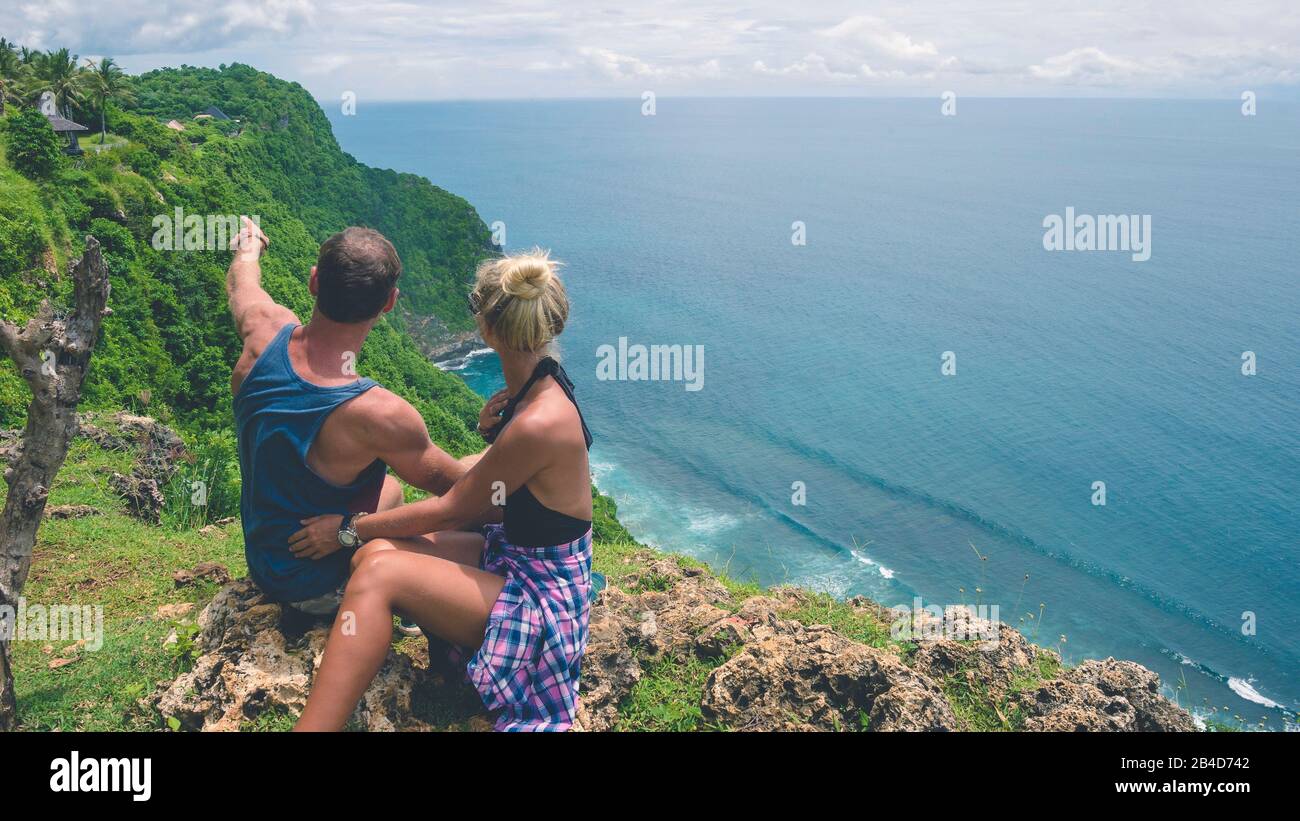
822 361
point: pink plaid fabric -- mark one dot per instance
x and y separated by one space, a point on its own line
528 665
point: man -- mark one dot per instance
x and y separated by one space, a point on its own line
313 437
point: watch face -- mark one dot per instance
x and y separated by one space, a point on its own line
347 538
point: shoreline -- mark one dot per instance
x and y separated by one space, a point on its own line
458 358
1241 686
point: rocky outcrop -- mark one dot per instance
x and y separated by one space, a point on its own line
160 450
254 657
1104 695
453 351
813 679
208 571
142 494
777 674
769 671
70 511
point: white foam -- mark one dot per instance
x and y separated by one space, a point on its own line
462 362
709 523
1242 688
884 571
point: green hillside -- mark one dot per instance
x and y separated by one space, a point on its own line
169 346
673 647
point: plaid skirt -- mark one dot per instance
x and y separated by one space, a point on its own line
528 665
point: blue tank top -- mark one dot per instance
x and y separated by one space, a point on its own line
277 415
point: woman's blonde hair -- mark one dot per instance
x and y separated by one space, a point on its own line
521 299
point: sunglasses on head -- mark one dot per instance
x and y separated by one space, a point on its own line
476 305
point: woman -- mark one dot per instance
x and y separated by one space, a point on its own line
518 592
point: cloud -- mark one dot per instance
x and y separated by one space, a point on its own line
140 26
617 66
812 65
873 36
518 48
1090 66
621 67
864 48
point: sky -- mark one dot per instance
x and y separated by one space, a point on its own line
424 49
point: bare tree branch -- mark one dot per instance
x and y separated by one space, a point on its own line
52 352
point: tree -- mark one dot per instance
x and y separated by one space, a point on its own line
106 81
58 73
52 353
12 72
34 148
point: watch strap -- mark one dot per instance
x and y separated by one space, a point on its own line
345 526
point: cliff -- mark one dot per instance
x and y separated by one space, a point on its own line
672 647
169 345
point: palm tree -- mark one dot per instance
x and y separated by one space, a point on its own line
11 70
106 81
58 73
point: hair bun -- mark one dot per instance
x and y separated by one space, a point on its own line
526 277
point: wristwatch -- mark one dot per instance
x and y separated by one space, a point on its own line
348 530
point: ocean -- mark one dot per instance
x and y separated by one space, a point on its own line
920 400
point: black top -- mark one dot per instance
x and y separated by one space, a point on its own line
528 522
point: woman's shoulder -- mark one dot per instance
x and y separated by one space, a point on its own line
548 415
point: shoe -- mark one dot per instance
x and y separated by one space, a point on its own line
408 628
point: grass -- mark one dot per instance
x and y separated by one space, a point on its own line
114 562
855 623
90 142
124 566
667 698
980 710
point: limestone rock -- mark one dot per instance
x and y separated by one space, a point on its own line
996 662
769 672
70 511
805 679
1139 687
1064 706
253 659
211 571
144 499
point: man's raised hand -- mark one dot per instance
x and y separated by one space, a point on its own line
250 242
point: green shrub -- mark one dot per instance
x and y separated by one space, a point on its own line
143 162
34 149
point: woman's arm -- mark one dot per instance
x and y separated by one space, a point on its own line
519 454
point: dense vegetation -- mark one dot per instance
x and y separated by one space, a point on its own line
168 347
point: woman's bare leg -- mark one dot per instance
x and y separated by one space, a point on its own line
460 546
445 598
